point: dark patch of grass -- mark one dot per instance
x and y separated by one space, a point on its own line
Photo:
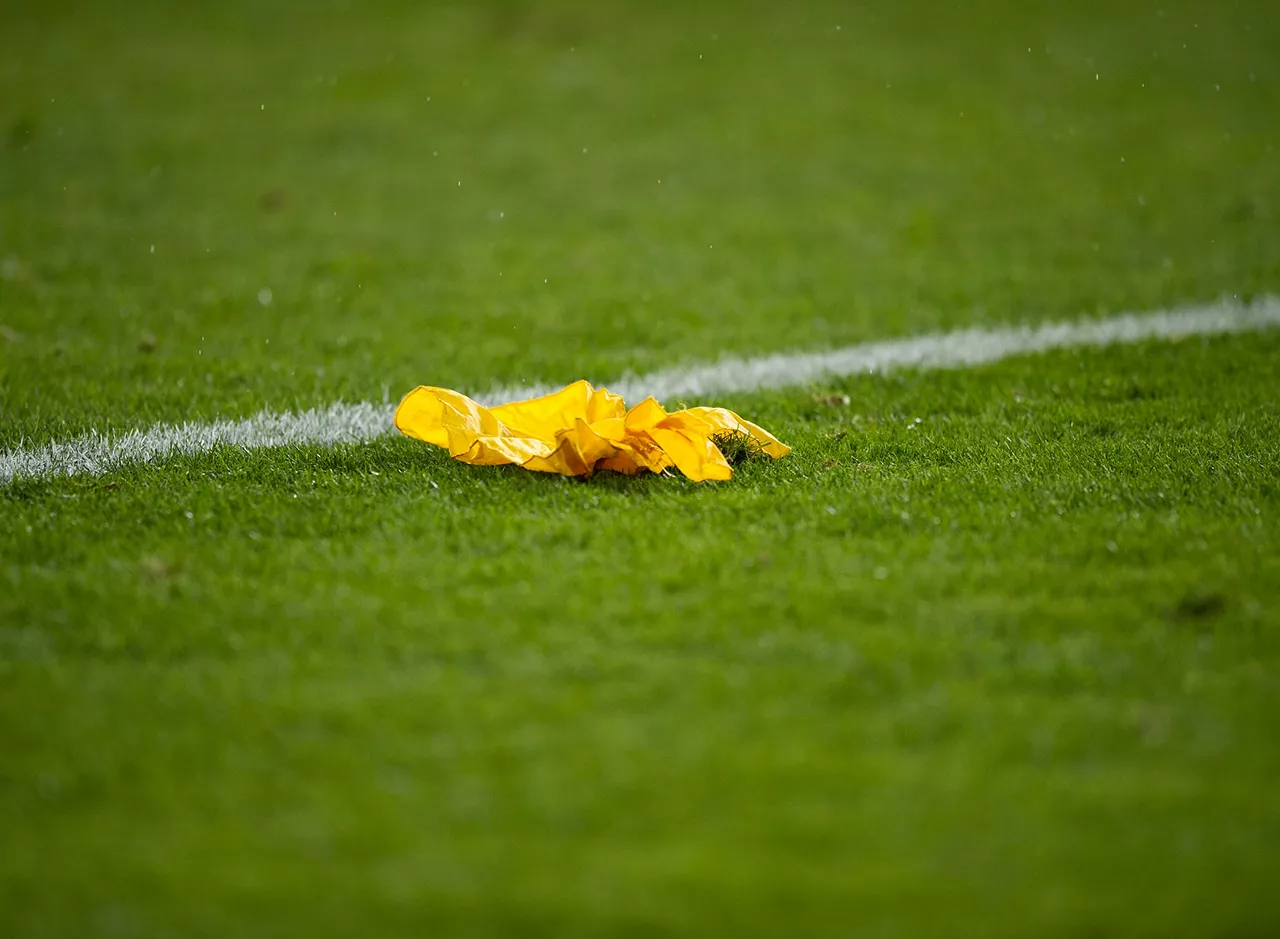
1201 605
738 447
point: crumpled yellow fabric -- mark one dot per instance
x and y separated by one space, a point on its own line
576 431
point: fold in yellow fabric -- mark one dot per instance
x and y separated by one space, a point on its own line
579 430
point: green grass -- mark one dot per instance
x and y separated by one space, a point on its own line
991 653
926 165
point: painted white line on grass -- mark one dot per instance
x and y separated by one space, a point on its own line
96 453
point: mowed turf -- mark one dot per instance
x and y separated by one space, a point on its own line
992 653
478 193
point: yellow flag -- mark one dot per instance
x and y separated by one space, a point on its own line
579 430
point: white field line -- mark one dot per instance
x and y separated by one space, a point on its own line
96 453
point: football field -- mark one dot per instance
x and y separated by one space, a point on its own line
993 652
